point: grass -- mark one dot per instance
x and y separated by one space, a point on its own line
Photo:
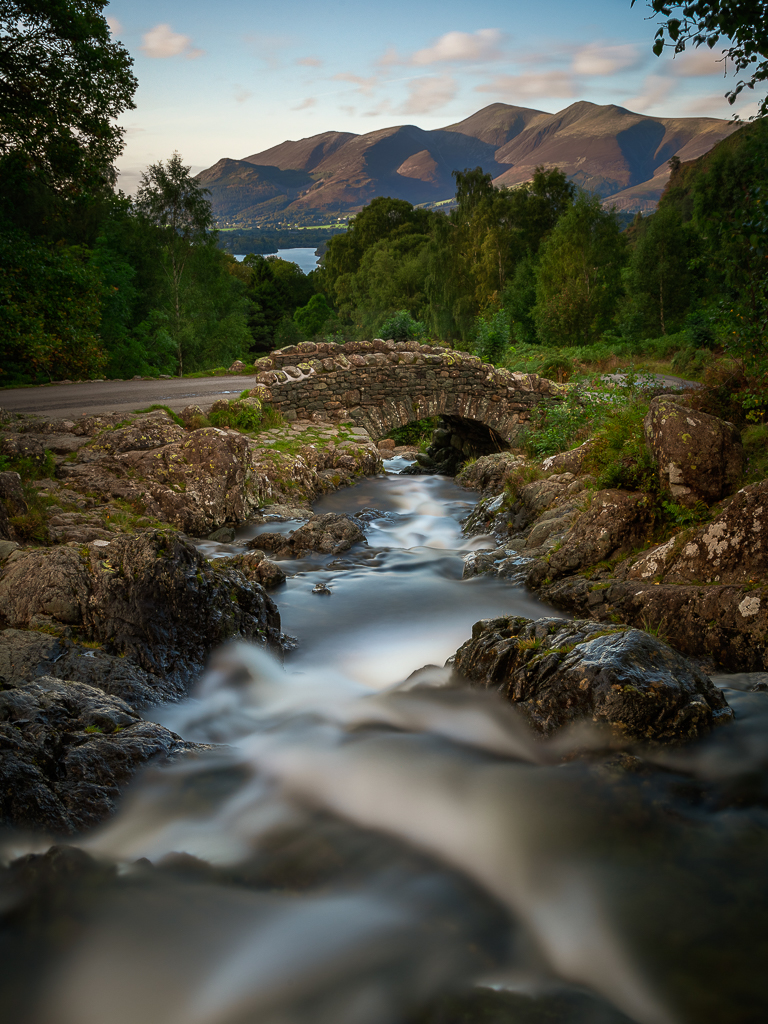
655 355
755 441
165 408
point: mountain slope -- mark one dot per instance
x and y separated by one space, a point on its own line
607 149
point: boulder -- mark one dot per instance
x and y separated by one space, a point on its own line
568 462
489 473
328 534
558 673
700 457
21 446
150 595
613 524
144 434
254 565
26 654
68 750
238 366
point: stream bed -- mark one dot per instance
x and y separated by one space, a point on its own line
359 845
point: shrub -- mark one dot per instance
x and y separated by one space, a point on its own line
401 326
492 335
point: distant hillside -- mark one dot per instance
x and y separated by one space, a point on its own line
621 155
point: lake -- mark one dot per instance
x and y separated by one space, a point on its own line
304 258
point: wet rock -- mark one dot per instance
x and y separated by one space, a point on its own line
321 588
281 513
68 750
328 534
700 457
28 654
558 673
224 535
254 565
150 595
614 523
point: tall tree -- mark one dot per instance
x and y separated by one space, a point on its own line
63 81
169 197
743 23
578 281
658 279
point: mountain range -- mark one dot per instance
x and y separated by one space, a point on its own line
619 154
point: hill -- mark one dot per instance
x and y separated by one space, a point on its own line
610 150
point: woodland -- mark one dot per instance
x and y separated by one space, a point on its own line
539 276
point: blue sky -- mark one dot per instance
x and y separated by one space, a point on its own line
235 77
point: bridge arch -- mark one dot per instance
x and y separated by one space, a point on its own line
382 385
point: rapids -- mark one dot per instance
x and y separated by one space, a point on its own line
363 842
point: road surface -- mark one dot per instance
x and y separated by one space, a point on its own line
96 397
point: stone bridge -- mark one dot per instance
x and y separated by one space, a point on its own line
382 385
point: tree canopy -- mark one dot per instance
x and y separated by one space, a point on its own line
63 81
743 23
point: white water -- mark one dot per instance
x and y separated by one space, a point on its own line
376 843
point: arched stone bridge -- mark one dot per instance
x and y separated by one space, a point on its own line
382 385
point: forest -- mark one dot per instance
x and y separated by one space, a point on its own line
97 284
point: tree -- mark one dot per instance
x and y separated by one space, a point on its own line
169 197
578 280
63 81
658 279
310 318
744 23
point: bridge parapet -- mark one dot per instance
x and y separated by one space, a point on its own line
381 385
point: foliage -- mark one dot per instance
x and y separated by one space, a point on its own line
755 441
742 23
247 417
658 278
170 198
492 336
311 318
619 455
415 433
401 326
578 281
49 311
29 468
275 288
63 82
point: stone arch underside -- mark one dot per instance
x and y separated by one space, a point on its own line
382 385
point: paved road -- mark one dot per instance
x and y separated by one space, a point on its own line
68 401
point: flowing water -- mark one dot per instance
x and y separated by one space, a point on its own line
366 842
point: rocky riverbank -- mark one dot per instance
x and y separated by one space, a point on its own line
616 557
106 606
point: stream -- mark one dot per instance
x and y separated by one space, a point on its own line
365 843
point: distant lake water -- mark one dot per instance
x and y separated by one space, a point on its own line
304 258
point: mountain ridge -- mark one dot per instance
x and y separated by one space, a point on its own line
608 149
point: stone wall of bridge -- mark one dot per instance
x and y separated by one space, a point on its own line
381 385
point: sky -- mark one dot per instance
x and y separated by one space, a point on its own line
232 78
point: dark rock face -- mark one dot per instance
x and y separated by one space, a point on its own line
489 473
699 456
12 503
26 655
613 524
149 595
254 565
67 750
328 534
558 672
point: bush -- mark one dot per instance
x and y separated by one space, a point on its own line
248 416
401 326
492 335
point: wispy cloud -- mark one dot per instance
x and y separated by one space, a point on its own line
656 89
454 47
604 59
696 64
266 47
310 101
310 62
365 86
241 94
428 94
382 108
514 87
161 41
114 26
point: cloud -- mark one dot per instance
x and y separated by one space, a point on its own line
482 45
114 26
365 86
656 88
162 41
383 108
601 59
714 105
267 47
389 58
310 101
241 94
310 62
513 87
696 64
428 94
